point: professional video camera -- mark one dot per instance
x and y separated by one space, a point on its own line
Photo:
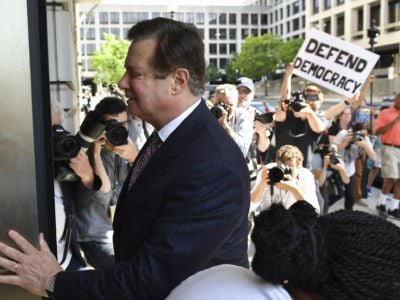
277 172
218 109
357 136
331 150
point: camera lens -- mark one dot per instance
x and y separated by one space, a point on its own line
65 145
116 134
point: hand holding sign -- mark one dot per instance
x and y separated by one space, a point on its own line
333 63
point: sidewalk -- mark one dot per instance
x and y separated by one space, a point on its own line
370 209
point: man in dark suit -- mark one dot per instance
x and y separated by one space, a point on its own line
187 209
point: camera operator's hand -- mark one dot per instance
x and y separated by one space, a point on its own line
327 161
128 151
81 166
304 112
290 185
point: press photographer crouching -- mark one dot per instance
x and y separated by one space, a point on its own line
285 181
329 170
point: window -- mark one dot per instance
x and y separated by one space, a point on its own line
213 61
328 4
315 6
212 18
90 19
360 19
200 18
114 18
296 24
179 16
133 17
232 19
264 19
287 11
375 14
102 31
222 34
254 19
281 29
245 33
201 32
125 32
213 48
90 34
103 18
212 34
244 19
190 18
394 11
296 7
340 26
264 31
223 62
232 48
82 33
340 2
232 34
156 15
223 49
222 19
90 48
327 25
254 32
115 31
288 27
281 14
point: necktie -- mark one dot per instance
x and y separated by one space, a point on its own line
144 156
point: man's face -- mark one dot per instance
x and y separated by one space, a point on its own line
245 96
147 96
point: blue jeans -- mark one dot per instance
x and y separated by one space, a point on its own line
98 255
349 193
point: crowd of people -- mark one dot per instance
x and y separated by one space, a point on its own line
182 197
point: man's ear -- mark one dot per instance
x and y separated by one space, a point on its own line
181 77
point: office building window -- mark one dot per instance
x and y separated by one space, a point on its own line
222 19
328 4
340 2
232 19
315 7
394 11
90 34
232 48
281 13
134 17
83 49
212 34
287 11
245 33
189 18
296 7
222 34
288 27
179 16
116 32
213 61
90 48
296 25
264 31
244 19
103 17
223 62
360 19
114 18
375 14
254 32
281 29
223 49
340 25
155 15
89 19
232 34
213 48
212 18
264 19
327 26
125 32
254 19
82 33
102 31
201 32
200 18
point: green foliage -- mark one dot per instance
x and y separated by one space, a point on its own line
212 73
109 62
263 55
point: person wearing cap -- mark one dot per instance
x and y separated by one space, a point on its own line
245 88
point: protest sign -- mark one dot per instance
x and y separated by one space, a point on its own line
334 63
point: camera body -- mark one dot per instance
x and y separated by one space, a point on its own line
265 118
297 101
357 136
218 109
331 150
65 145
277 172
116 133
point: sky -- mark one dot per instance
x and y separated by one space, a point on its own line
178 2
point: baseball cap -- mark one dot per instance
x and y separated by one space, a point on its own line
245 81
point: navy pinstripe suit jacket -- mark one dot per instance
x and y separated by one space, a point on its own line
187 211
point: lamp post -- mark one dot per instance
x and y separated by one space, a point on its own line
372 33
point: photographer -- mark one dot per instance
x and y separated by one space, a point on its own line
285 181
112 154
263 133
237 121
328 168
351 143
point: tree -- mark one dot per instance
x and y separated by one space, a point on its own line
109 62
212 73
289 49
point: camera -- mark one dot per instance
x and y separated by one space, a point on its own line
90 129
65 145
278 172
296 102
218 110
357 136
116 133
331 150
265 118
